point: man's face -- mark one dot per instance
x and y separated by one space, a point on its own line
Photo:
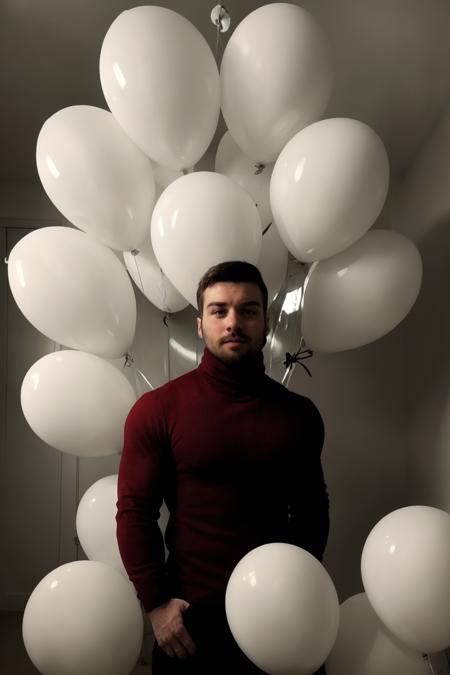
233 324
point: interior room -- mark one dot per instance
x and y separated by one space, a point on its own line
385 403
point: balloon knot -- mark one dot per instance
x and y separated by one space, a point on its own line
128 360
220 17
259 168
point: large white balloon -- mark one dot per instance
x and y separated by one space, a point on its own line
83 618
405 568
275 78
362 293
202 219
151 280
161 82
273 262
74 290
96 176
77 403
231 161
282 609
328 186
365 647
96 523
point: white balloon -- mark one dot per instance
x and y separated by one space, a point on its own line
83 618
328 187
362 293
200 220
231 162
96 523
405 568
273 262
161 82
282 609
275 78
96 176
73 290
77 403
151 280
365 647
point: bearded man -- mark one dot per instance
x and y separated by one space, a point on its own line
236 458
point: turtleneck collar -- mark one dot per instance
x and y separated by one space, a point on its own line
241 378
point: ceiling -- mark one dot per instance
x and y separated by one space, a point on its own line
391 60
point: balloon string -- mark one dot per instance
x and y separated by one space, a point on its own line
134 253
305 285
278 319
428 660
217 41
164 287
129 361
219 27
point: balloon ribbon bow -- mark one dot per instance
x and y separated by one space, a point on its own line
299 356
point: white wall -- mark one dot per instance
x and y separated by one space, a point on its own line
423 214
361 395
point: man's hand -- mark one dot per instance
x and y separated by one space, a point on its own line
169 629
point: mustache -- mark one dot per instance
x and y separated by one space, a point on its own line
235 336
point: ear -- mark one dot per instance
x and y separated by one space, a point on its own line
199 328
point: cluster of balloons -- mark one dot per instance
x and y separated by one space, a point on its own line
283 611
403 616
285 181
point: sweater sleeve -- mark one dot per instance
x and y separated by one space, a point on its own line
308 500
140 495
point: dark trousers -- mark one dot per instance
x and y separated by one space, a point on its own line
217 651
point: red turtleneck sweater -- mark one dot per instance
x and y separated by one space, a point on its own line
236 458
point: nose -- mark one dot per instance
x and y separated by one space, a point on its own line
232 321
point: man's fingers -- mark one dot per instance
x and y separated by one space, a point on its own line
177 649
167 649
180 645
187 642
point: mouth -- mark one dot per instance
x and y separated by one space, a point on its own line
234 340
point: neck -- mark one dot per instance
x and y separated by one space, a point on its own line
235 377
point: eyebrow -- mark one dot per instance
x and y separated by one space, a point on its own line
246 303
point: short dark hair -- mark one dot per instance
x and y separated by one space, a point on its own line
234 271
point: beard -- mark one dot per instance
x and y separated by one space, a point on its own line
250 347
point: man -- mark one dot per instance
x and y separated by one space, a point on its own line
236 458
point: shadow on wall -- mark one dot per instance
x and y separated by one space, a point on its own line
361 396
428 358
